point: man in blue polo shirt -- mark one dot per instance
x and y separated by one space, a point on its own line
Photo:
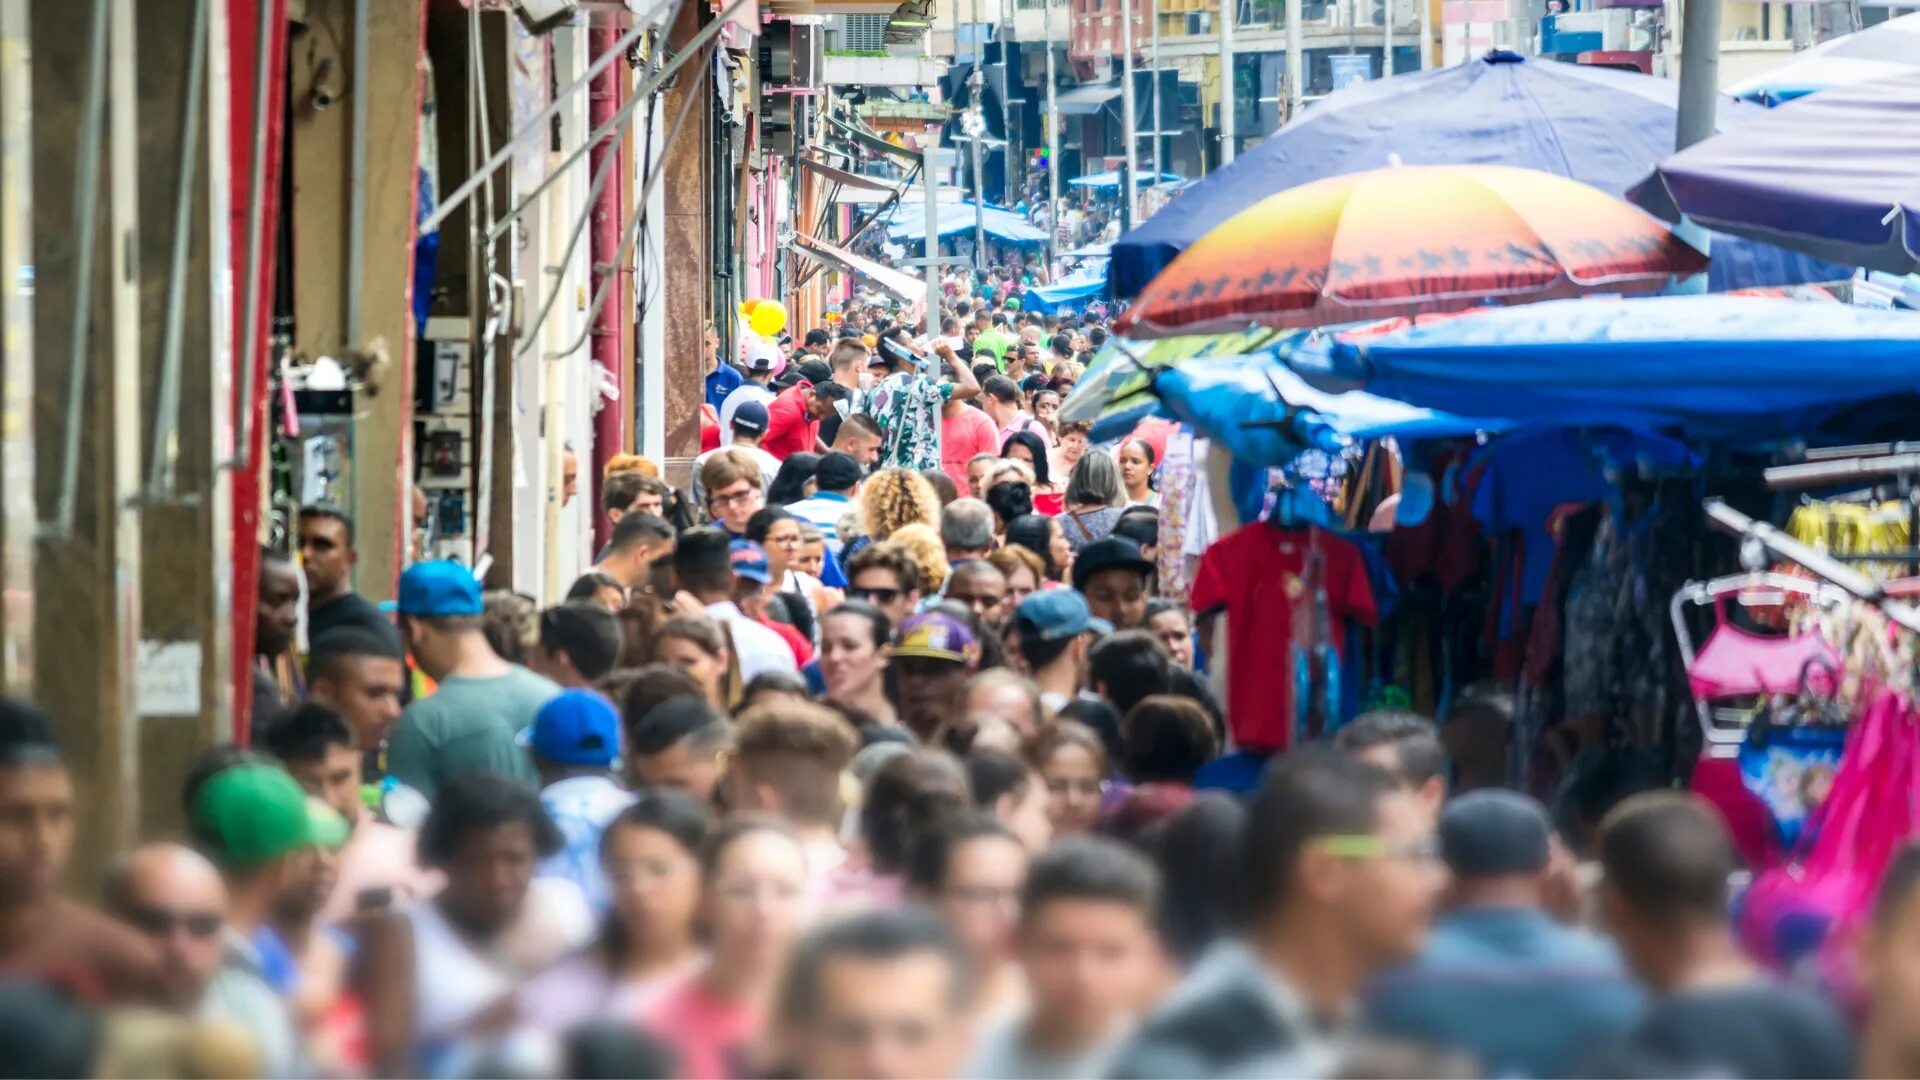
836 482
471 723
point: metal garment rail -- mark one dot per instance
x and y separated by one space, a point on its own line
1825 566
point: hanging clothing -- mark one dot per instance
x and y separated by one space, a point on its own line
1257 575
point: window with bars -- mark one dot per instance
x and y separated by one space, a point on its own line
864 34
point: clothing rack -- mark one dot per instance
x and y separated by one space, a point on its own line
1854 583
1900 461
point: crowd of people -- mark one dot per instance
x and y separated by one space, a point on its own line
873 750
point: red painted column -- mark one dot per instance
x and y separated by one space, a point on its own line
249 475
610 354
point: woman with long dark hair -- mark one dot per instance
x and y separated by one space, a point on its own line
794 481
1027 447
651 856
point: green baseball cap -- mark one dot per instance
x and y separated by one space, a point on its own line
254 814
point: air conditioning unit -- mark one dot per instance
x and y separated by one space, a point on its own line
791 54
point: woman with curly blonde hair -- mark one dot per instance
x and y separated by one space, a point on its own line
890 499
923 545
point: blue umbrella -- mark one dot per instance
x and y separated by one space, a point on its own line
1595 125
908 224
1836 175
1891 48
1728 366
1110 179
1087 283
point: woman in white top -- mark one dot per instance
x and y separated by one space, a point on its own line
651 856
436 972
778 532
1135 457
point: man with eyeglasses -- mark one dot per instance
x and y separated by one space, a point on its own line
733 487
174 897
1339 872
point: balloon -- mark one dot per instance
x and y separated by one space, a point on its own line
768 318
747 306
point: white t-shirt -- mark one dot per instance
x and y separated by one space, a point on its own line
769 468
746 391
758 648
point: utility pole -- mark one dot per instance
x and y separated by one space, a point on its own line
975 127
1157 169
1699 72
1426 34
1386 40
1229 12
1296 60
930 184
1129 187
1014 170
1053 144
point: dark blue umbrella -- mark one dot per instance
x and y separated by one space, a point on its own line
1598 126
1835 174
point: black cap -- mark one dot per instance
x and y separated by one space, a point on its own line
750 415
816 371
1107 554
1494 833
836 472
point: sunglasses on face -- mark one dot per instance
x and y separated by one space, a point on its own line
160 923
881 597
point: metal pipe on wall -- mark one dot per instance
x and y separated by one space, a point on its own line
1053 144
609 336
357 170
85 215
1229 12
1129 184
162 476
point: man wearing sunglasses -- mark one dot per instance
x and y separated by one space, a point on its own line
174 897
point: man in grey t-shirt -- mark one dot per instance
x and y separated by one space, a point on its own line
471 723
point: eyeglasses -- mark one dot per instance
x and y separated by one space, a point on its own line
160 923
1362 846
881 597
734 499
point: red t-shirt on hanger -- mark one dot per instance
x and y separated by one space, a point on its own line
1255 574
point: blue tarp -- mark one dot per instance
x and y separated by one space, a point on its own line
1876 52
908 224
1111 180
1836 175
1598 126
1076 290
1715 366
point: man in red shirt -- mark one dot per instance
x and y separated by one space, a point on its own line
793 420
964 432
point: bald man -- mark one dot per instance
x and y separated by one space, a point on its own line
176 899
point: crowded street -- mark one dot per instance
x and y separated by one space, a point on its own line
871 538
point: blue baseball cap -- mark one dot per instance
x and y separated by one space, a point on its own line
575 727
1057 614
750 561
438 588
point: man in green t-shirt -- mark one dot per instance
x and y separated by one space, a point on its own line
471 723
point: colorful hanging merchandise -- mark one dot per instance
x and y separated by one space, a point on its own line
1872 809
1288 593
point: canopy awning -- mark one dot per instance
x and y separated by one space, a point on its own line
1085 100
848 179
899 284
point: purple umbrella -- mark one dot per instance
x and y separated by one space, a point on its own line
1835 175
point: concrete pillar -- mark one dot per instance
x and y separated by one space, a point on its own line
382 466
687 288
83 597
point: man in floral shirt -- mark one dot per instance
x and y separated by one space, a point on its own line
907 401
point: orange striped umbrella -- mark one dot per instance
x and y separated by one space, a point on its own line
1408 240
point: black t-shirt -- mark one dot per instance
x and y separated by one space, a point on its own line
351 609
1762 1029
